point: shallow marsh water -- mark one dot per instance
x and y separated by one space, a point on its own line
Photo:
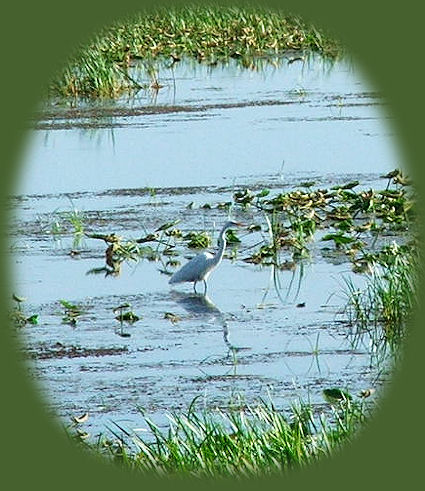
138 163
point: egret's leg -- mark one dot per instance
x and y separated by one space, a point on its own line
205 287
194 286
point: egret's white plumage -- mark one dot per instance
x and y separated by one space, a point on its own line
201 266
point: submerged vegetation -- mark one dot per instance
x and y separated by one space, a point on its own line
106 68
240 442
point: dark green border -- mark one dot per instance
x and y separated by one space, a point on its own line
386 39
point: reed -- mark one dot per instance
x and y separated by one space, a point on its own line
240 442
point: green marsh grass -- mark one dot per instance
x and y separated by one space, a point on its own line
76 219
207 34
385 304
241 442
60 223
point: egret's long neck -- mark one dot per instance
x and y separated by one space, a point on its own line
221 246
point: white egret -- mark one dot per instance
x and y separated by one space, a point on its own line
201 266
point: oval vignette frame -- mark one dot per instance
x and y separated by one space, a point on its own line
385 452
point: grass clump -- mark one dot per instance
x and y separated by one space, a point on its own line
253 441
385 304
208 34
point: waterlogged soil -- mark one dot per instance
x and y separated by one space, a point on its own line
174 154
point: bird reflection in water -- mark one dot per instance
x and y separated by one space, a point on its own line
202 306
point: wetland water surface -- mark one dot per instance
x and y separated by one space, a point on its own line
130 167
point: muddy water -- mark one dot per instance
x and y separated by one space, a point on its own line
135 164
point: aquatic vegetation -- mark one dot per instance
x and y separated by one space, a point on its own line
336 394
124 315
339 238
59 224
18 316
76 219
197 240
127 316
353 221
239 442
173 318
71 312
265 255
119 250
385 304
121 59
232 237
